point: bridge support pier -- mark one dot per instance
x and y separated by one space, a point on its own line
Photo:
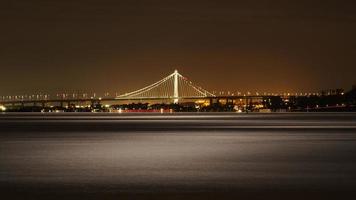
213 101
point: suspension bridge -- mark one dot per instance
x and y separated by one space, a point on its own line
172 87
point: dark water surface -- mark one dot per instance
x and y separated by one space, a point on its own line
177 156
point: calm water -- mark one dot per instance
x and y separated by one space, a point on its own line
177 156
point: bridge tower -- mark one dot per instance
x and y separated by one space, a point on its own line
175 94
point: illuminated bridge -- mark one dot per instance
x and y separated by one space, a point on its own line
173 87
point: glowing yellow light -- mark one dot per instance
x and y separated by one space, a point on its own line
2 108
200 101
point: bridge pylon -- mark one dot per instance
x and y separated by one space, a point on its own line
176 91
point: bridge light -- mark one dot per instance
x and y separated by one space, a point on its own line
2 108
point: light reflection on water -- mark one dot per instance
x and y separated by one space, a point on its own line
192 159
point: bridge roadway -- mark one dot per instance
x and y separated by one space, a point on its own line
98 100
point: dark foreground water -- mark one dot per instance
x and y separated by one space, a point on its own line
178 156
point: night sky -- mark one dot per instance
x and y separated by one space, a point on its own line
117 46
